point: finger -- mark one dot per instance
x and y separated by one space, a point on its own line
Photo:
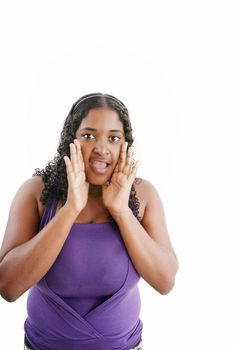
67 163
116 169
129 162
73 156
80 162
122 158
133 172
69 168
129 156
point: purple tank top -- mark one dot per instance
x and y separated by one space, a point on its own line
89 299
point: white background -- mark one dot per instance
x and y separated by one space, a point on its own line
171 64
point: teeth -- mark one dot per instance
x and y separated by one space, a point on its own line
99 165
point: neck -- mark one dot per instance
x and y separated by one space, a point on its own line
95 190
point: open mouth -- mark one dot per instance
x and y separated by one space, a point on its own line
98 166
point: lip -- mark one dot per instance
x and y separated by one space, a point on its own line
99 166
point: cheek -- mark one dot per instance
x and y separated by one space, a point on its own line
85 151
117 152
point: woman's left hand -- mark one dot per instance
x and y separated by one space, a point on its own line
116 192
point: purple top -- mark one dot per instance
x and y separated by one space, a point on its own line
89 299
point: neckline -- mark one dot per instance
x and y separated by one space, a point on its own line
94 223
54 206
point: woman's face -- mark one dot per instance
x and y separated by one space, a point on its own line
101 135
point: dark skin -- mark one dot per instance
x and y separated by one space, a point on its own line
100 174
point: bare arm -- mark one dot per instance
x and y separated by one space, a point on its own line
148 242
26 255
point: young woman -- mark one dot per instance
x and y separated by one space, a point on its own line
82 232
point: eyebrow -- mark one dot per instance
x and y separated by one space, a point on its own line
93 129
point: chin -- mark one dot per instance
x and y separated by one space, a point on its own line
94 180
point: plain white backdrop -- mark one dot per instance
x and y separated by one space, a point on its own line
171 64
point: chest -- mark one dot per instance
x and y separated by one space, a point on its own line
93 213
93 262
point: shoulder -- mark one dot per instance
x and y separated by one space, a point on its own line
153 217
24 215
32 186
31 190
152 212
145 189
146 194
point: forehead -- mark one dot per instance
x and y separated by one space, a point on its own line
102 118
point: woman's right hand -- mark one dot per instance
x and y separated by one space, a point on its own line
78 187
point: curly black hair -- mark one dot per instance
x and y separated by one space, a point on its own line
54 174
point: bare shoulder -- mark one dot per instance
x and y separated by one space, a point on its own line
146 194
31 190
152 212
24 215
150 206
34 184
144 185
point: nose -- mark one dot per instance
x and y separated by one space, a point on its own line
101 146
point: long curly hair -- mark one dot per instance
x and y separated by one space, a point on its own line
54 174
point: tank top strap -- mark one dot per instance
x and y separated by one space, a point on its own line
49 212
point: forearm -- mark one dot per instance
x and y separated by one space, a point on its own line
155 263
26 264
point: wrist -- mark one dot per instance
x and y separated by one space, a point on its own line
122 215
69 213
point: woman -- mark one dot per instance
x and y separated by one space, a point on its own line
81 232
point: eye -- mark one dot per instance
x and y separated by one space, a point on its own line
88 136
114 138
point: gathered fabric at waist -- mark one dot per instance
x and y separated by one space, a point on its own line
28 345
54 325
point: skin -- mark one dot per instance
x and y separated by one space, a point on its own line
94 193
